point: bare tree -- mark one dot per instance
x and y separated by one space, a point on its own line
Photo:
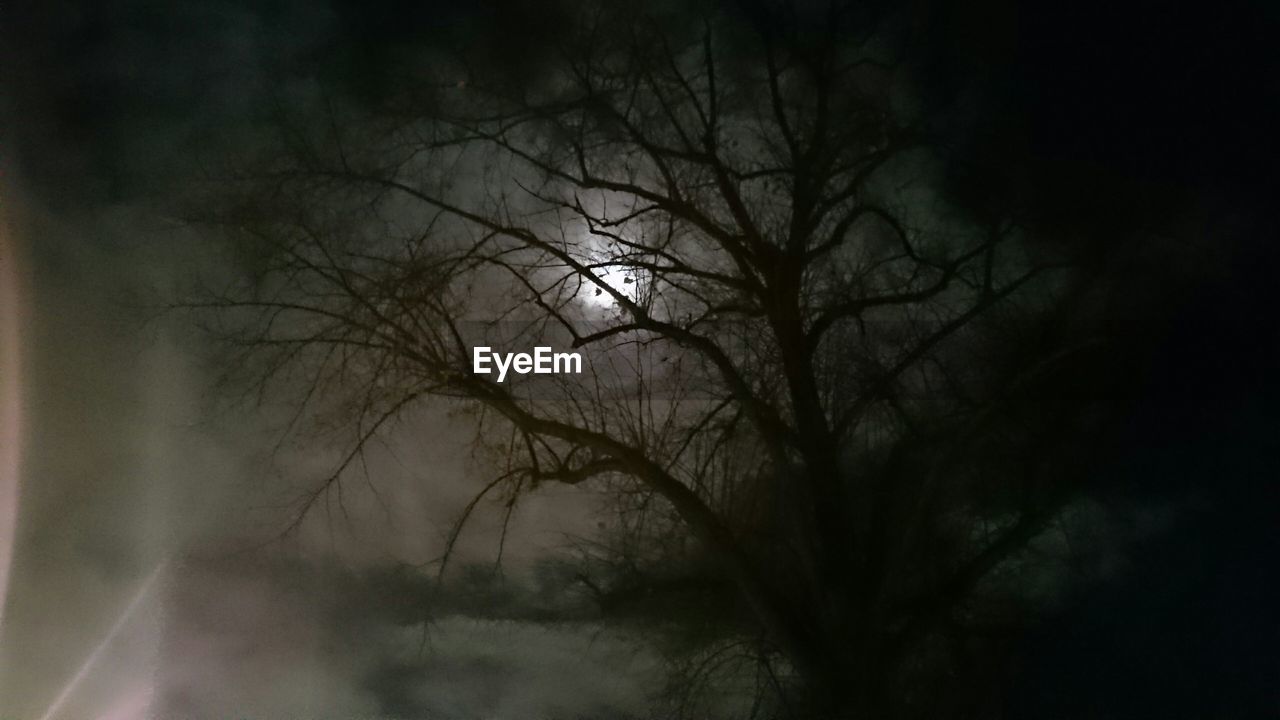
830 378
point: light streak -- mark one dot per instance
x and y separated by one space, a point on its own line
10 405
87 666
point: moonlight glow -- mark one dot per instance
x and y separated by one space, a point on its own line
617 277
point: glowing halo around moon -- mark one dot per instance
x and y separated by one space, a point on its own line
619 278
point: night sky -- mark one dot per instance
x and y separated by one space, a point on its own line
1142 136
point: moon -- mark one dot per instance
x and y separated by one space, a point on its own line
618 278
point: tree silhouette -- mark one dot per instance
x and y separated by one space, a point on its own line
800 355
